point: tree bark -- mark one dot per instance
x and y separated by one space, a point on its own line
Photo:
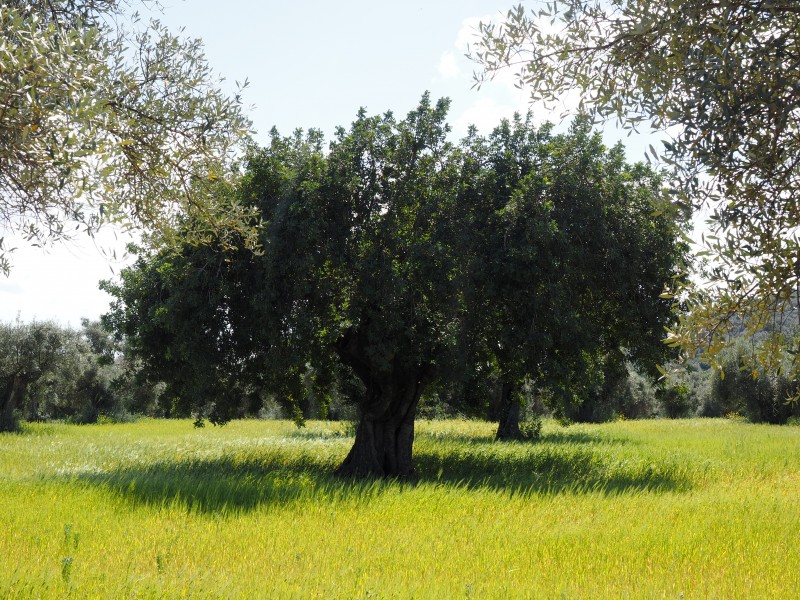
508 428
385 432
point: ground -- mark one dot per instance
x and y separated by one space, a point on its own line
699 508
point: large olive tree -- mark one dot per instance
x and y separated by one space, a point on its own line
393 258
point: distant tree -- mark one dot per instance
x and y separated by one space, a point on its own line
27 352
395 260
50 372
757 395
103 121
75 386
120 372
568 265
722 78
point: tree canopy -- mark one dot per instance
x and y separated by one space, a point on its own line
103 119
722 79
395 258
569 260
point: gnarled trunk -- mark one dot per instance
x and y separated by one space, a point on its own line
385 433
509 413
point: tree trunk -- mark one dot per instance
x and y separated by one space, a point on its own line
508 428
385 433
13 392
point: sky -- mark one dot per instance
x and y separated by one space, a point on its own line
309 63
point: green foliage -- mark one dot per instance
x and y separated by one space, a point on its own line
675 401
637 397
48 372
27 352
722 78
397 260
759 396
357 273
619 392
531 428
108 120
569 259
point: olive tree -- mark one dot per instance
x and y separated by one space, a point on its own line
569 258
394 259
106 119
27 353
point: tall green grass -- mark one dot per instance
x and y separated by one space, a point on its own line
639 509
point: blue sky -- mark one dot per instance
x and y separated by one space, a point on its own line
313 63
310 64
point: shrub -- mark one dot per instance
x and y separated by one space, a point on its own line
740 388
676 401
531 428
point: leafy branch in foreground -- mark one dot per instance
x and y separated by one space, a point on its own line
103 119
723 78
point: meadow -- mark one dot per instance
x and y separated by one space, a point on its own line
630 509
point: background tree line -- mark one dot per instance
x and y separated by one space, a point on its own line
49 372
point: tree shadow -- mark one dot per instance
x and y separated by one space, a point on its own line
565 436
548 468
30 429
226 484
281 476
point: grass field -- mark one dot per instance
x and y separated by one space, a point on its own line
637 509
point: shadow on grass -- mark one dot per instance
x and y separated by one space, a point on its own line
278 477
564 436
26 429
225 483
549 469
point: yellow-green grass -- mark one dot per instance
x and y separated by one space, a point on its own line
637 509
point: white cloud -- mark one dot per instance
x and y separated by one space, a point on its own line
485 113
448 65
453 63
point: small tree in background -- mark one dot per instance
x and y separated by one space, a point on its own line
50 372
27 353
